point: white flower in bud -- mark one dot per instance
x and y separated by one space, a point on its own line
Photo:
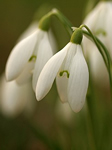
28 57
69 68
15 99
99 21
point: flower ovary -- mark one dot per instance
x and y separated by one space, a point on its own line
77 36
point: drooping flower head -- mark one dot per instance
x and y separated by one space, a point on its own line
30 55
99 21
69 68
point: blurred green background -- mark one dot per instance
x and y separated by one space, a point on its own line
15 134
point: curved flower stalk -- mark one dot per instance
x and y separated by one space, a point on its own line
97 66
99 21
69 68
30 55
15 99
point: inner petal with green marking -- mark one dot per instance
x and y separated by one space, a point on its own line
64 71
100 31
33 58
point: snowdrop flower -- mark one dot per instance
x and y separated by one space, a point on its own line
30 55
15 99
99 21
69 68
97 66
32 28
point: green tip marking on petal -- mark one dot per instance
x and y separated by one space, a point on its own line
100 31
33 57
61 73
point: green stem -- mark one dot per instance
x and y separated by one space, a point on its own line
94 39
101 47
90 126
109 63
92 119
67 24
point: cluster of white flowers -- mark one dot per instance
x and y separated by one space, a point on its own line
17 95
68 66
32 58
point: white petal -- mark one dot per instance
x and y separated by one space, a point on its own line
26 75
20 56
78 81
30 29
100 24
62 81
68 59
109 31
49 73
62 84
92 17
52 41
43 54
13 98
